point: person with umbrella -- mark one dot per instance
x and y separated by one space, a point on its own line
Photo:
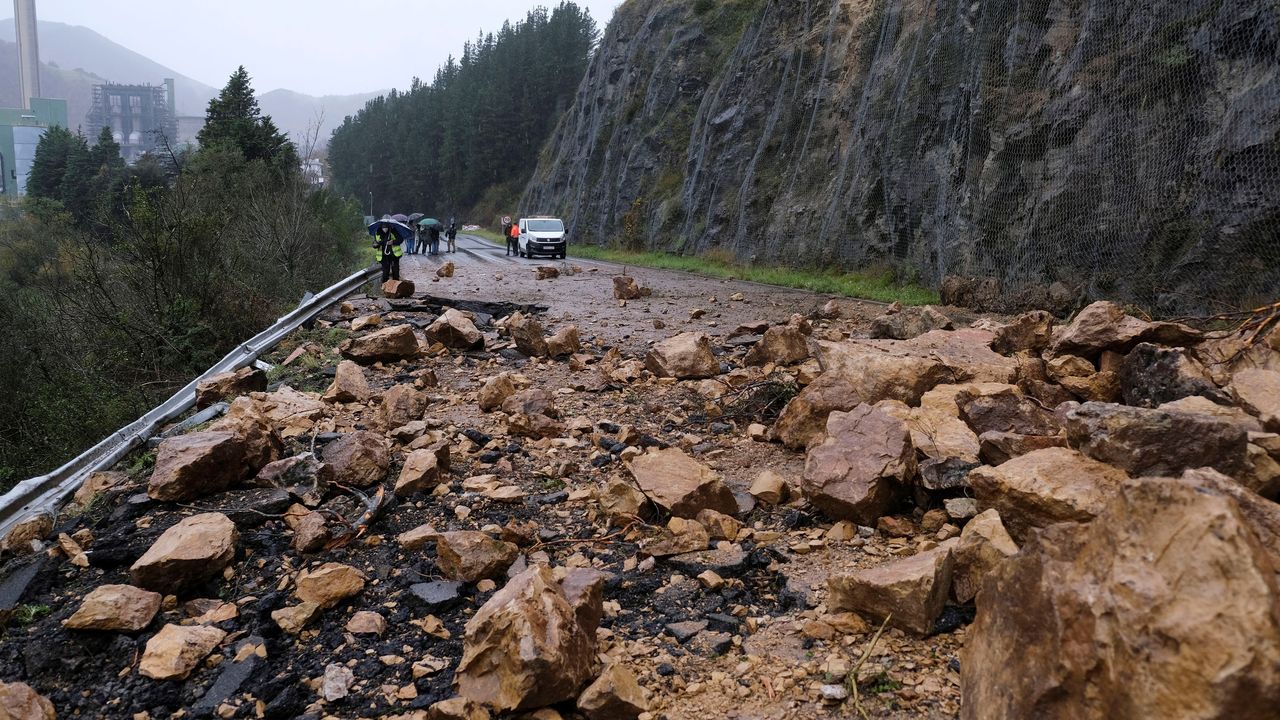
417 232
388 247
433 228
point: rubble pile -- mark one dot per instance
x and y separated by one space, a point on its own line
457 514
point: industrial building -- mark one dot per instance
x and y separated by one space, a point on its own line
141 117
21 128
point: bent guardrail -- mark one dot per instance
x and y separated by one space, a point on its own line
48 491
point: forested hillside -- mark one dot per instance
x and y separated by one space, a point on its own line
122 283
472 135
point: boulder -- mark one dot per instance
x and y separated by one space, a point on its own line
984 544
1197 404
584 589
1032 331
615 695
311 533
446 270
401 405
358 458
769 488
535 426
678 537
366 322
470 556
100 482
188 554
422 469
525 648
1151 375
565 341
910 591
534 401
681 485
1152 442
874 375
1105 326
398 289
329 584
194 465
1258 391
528 335
26 534
685 356
349 384
256 432
304 474
1008 410
494 391
222 386
804 419
18 701
996 447
366 622
625 287
417 538
1045 487
1101 386
781 345
455 330
547 272
909 322
856 472
621 499
176 650
294 619
1163 607
121 608
397 342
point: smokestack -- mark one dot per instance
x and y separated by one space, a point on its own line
24 15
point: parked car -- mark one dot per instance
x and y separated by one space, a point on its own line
542 235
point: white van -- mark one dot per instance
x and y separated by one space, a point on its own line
541 235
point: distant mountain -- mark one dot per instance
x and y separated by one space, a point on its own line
74 58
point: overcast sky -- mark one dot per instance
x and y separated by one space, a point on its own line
318 47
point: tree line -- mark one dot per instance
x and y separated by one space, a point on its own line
122 283
469 140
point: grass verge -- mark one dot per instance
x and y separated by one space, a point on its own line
867 285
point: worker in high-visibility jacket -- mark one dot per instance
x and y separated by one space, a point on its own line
388 248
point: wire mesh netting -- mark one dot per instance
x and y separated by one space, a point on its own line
1075 149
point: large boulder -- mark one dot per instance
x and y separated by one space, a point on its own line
1151 375
681 485
565 341
1152 442
423 469
528 335
526 647
685 356
121 608
876 374
1045 487
188 554
909 322
804 419
937 435
615 695
1258 391
293 412
534 401
229 385
194 465
398 289
401 405
1008 410
781 345
494 391
256 432
455 330
910 591
397 342
856 472
349 384
469 556
1032 331
984 544
1163 607
359 458
176 650
625 287
1105 325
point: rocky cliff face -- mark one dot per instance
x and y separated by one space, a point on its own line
1120 148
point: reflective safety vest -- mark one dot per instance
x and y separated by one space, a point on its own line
397 249
515 231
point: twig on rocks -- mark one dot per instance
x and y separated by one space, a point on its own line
584 541
851 680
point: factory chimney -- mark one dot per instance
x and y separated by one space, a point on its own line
24 15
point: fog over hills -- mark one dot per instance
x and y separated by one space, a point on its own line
74 58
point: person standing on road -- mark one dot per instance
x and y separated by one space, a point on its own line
513 240
433 233
506 232
413 242
452 234
388 247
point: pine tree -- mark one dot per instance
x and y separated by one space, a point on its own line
235 120
78 178
106 152
50 164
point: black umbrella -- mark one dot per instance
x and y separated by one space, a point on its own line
401 230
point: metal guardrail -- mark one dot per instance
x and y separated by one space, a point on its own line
48 491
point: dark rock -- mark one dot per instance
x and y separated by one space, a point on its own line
437 594
728 561
1154 442
685 631
1152 375
945 473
